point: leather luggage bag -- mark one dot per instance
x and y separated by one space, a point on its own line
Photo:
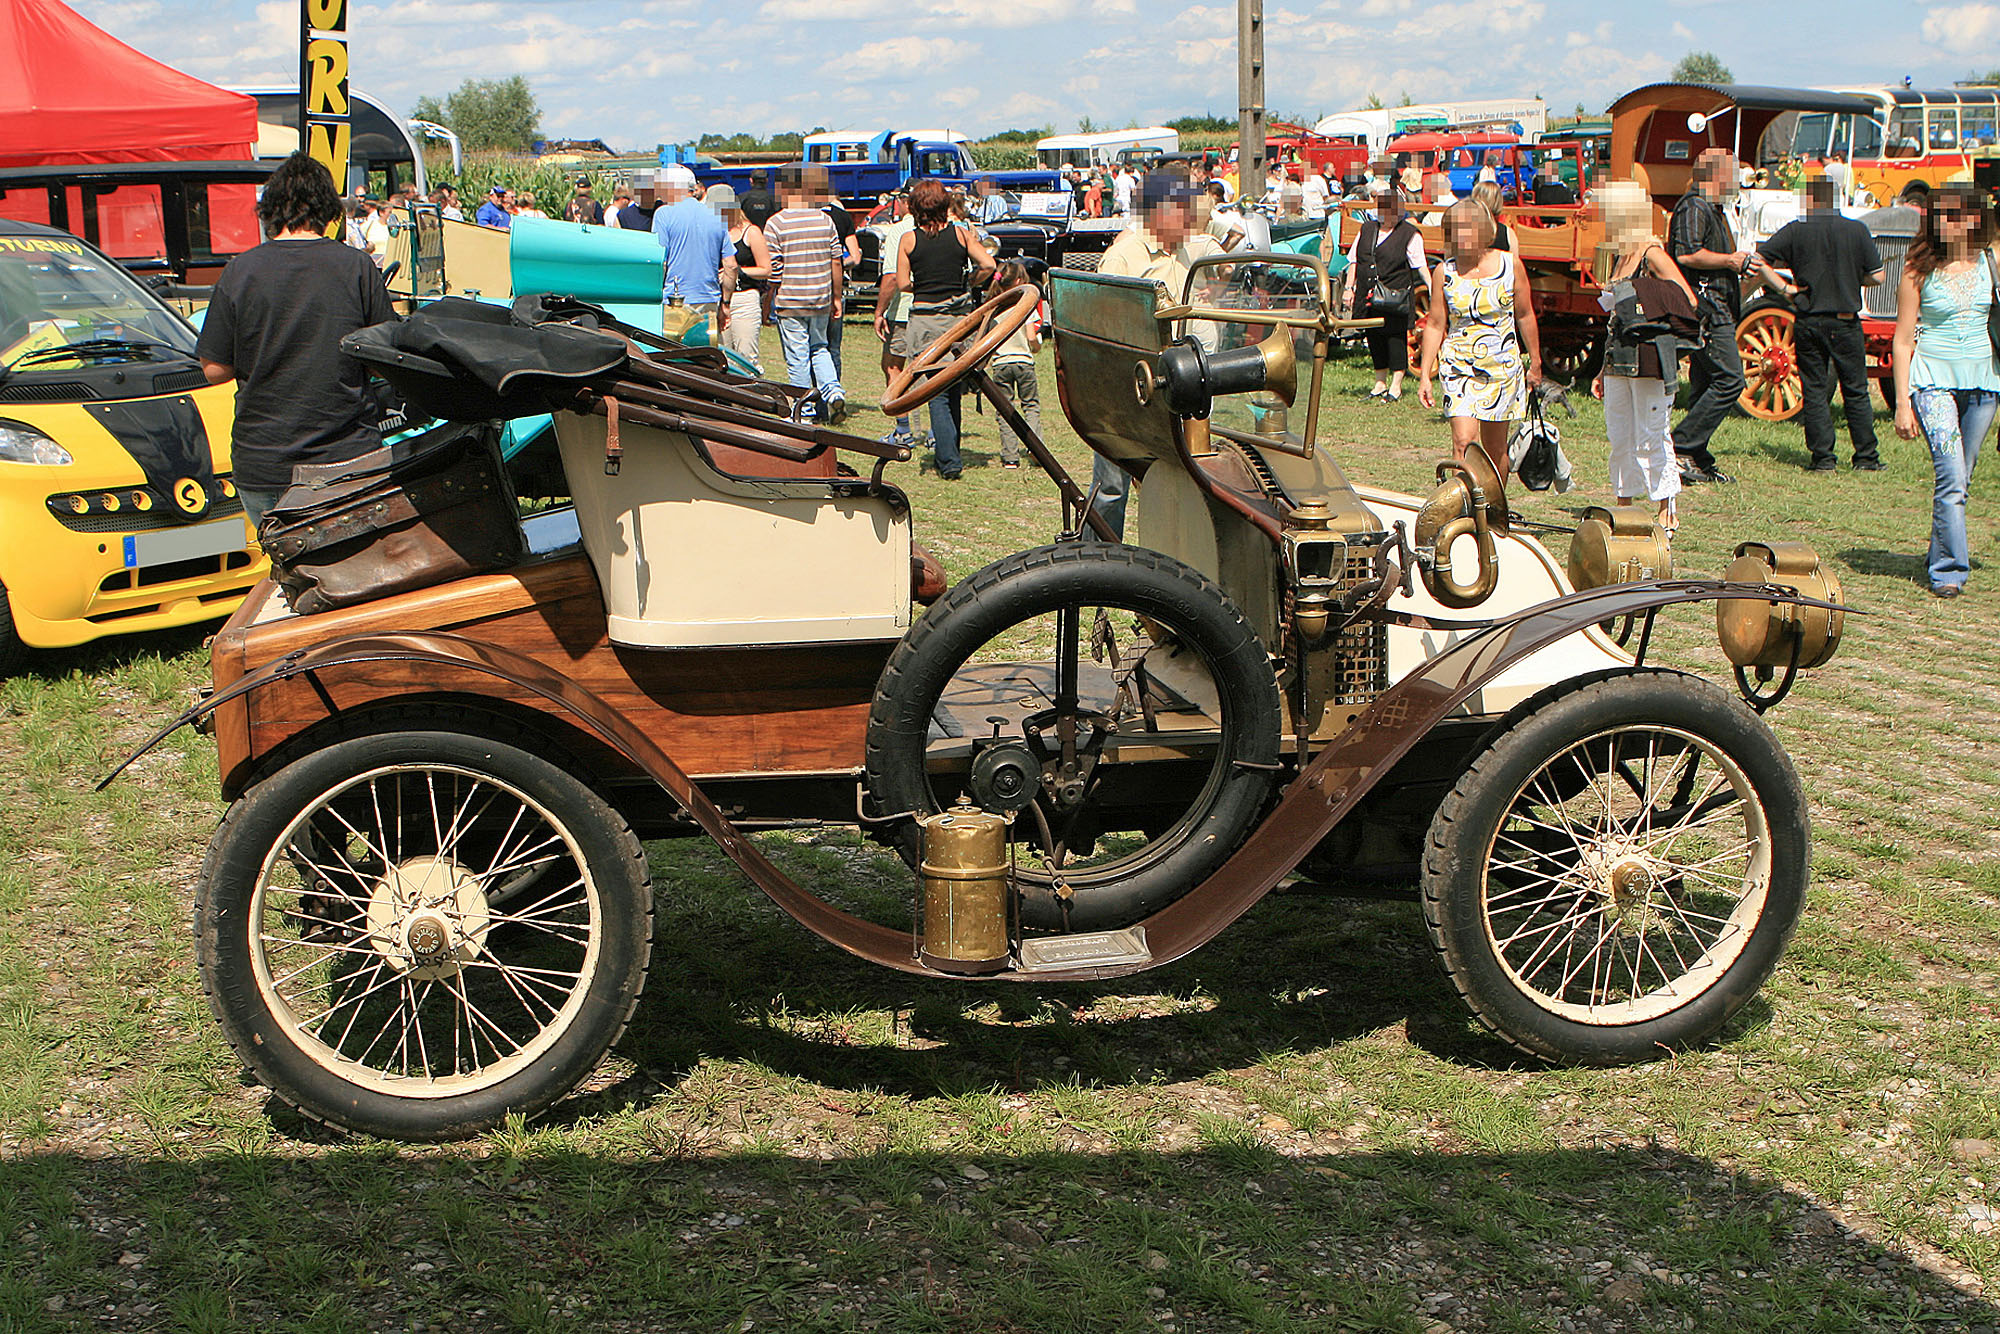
420 512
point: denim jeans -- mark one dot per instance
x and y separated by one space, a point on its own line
1112 485
808 357
1954 421
922 331
1827 341
256 504
945 416
1715 377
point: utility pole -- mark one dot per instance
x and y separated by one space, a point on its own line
1250 98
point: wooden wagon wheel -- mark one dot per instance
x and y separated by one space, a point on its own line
1573 362
1767 341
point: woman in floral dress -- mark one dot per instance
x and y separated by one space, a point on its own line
1480 338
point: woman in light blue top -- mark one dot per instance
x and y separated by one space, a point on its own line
1945 357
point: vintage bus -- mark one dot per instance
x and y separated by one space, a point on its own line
1890 136
383 154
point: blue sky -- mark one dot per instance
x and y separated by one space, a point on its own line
639 72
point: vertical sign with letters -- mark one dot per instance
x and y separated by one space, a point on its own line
325 132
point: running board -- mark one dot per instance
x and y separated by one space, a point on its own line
1088 949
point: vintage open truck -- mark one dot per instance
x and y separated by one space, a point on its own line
428 905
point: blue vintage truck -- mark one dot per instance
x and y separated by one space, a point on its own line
864 165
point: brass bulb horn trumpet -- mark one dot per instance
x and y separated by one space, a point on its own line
1194 377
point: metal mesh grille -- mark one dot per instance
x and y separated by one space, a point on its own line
60 391
126 519
1880 300
173 382
1361 651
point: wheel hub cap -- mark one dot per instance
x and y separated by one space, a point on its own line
1623 878
429 917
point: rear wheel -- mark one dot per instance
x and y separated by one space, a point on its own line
413 934
1766 338
1619 871
1118 689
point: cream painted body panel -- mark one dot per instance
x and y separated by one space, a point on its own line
1528 575
689 558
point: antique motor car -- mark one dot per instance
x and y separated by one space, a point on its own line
118 511
428 907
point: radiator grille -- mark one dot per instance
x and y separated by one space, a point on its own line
1880 300
1361 651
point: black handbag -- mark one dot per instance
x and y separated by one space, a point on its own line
1384 301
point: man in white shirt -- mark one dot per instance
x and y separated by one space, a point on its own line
1122 187
1232 227
1317 193
1159 243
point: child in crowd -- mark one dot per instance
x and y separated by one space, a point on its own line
1013 366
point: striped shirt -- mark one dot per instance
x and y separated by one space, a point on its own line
804 252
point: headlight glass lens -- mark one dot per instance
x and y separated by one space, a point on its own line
21 443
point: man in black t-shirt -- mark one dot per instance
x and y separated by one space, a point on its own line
1831 258
1700 239
274 325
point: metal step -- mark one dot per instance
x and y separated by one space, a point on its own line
1088 949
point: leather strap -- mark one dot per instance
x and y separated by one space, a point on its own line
614 451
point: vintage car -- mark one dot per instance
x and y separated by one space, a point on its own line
117 509
428 906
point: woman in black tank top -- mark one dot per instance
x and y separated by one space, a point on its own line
753 265
930 266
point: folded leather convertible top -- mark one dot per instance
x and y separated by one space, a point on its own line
464 361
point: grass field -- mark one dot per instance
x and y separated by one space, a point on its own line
1297 1128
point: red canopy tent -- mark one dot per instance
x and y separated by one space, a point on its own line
71 93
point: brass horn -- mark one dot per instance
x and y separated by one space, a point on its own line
1471 501
1194 377
1281 365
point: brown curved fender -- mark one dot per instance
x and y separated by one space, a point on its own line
1314 803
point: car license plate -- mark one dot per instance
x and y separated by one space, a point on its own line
190 543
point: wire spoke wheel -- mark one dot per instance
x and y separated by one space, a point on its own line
1627 875
380 947
1112 698
1620 870
416 933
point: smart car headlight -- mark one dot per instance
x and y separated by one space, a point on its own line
21 443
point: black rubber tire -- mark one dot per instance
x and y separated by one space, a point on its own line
13 653
1037 582
1462 836
223 930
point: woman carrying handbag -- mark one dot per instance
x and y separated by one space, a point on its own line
1945 355
1385 266
1481 339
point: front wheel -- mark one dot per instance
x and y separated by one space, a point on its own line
1619 871
414 934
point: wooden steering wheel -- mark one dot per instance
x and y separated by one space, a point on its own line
923 379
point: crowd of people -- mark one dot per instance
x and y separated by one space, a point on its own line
784 252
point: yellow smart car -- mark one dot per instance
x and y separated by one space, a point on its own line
117 511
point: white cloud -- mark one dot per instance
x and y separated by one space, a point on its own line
1959 27
896 57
